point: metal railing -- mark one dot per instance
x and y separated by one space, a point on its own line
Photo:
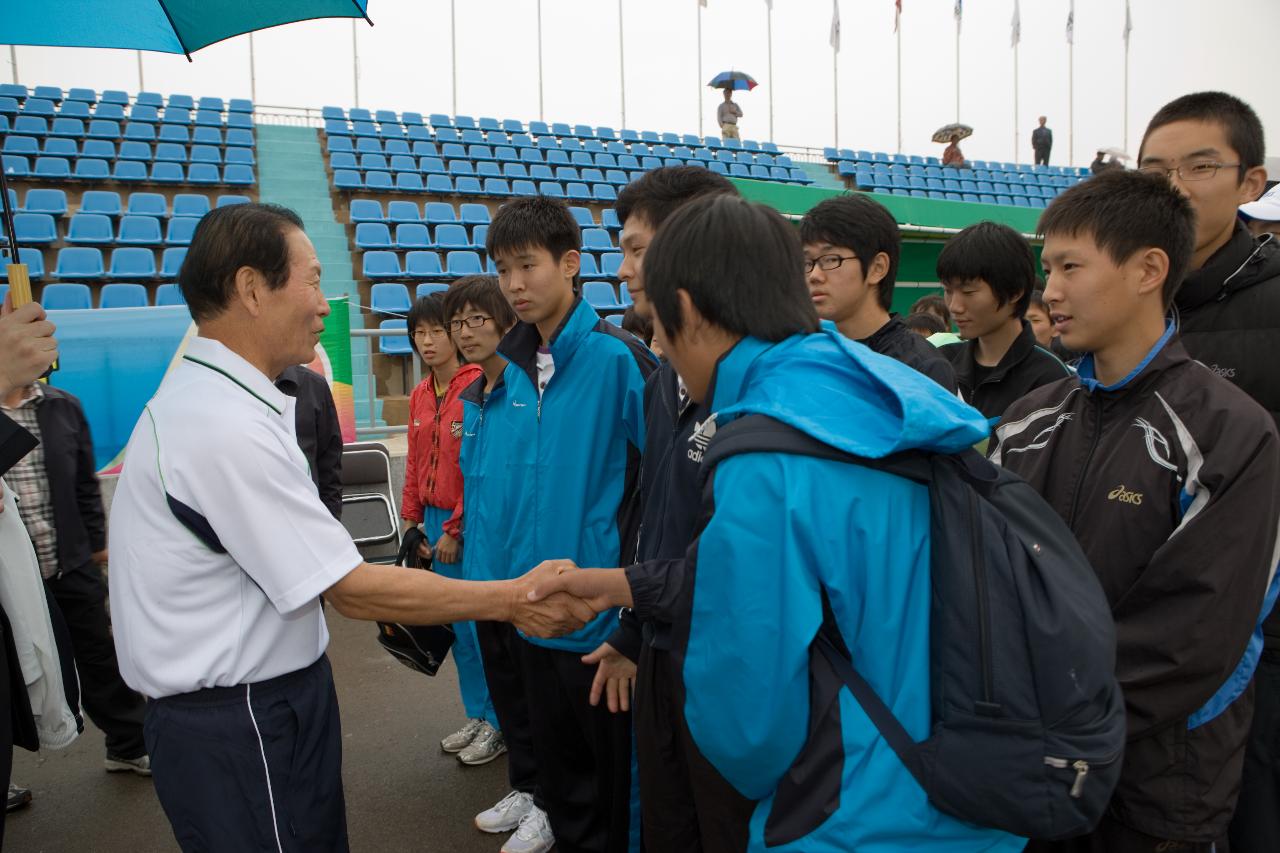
373 428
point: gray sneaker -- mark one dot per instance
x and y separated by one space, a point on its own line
488 745
462 738
506 814
116 764
532 836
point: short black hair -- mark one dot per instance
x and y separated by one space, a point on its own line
656 194
925 321
996 254
482 292
1125 212
227 239
740 263
533 222
1244 129
640 326
1037 300
933 303
863 225
427 309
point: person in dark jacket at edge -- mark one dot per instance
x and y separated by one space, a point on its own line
315 417
686 806
1210 145
851 251
1042 142
1169 477
987 273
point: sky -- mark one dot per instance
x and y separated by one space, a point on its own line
405 59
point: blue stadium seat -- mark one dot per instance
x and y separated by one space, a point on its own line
497 187
78 263
113 96
395 345
439 184
523 188
239 121
541 172
132 150
565 174
37 228
90 229
208 118
332 112
42 107
373 162
176 115
462 263
171 262
88 96
33 258
51 202
447 135
71 128
66 297
103 129
423 264
468 185
236 174
409 182
174 133
431 288
112 112
27 146
57 147
210 154
339 144
359 114
521 140
167 173
511 171
396 146
412 235
180 231
336 127
403 163
577 191
488 170
364 128
169 294
601 296
139 231
439 213
373 235
604 193
511 125
610 263
8 105
411 119
185 102
132 263
121 296
472 213
550 189
431 165
400 211
617 177
588 271
389 298
381 265
609 219
452 236
368 210
170 152
597 240
214 103
461 167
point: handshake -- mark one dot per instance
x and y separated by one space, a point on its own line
556 597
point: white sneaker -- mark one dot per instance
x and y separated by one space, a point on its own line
462 738
488 745
507 814
533 836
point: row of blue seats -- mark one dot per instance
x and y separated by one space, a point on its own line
866 181
109 130
413 236
167 152
85 263
34 119
480 153
95 229
875 158
443 213
139 134
971 198
392 298
110 203
135 171
120 97
1029 179
382 265
78 297
470 186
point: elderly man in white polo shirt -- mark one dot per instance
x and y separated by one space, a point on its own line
221 549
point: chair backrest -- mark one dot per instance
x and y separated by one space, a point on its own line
169 294
89 228
123 296
368 501
133 262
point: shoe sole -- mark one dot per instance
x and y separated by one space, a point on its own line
483 761
507 828
447 751
552 847
21 803
118 767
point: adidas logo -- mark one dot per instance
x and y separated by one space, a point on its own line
702 435
1120 493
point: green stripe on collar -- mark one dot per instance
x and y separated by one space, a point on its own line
217 369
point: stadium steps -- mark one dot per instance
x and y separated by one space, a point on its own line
823 176
291 172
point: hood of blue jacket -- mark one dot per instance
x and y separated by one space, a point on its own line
844 395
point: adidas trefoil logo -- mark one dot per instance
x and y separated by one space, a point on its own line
702 435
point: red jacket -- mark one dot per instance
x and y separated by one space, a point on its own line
431 475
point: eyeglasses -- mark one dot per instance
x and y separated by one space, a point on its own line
475 321
827 263
1197 170
430 333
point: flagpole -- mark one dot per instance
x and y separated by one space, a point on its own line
253 73
769 7
957 70
1071 102
899 34
622 66
355 63
13 59
1126 92
141 85
700 133
541 115
1016 132
453 51
835 78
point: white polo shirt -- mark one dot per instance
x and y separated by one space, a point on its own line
231 596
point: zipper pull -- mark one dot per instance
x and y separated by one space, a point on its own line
1082 770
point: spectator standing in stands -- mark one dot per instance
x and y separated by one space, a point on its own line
432 498
988 273
1262 217
315 416
1169 477
952 155
727 114
1042 142
57 485
1210 145
851 249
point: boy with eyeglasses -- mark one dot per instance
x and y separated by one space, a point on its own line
1210 145
851 249
432 498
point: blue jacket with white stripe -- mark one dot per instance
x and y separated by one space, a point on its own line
782 531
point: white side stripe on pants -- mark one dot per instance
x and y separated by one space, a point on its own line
265 769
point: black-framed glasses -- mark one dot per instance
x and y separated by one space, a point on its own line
475 321
1196 170
827 263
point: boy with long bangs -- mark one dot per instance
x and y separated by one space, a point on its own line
1167 474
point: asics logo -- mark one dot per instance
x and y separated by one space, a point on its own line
1224 372
1120 493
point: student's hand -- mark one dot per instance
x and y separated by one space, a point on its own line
447 549
601 588
615 677
26 339
556 616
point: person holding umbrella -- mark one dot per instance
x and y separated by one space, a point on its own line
728 113
952 133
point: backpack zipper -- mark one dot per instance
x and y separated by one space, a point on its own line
1079 765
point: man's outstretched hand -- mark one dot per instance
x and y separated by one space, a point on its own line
551 615
601 588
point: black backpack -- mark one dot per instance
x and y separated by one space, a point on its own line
1028 725
422 648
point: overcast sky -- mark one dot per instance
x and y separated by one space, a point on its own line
1177 46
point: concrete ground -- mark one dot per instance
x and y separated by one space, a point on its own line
402 793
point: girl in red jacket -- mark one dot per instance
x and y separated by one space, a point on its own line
433 498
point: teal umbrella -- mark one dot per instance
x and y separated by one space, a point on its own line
166 26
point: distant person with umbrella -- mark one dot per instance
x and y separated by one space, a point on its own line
728 113
953 133
1042 142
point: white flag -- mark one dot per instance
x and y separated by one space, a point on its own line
702 2
959 13
1071 24
1128 23
769 3
835 25
1015 35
